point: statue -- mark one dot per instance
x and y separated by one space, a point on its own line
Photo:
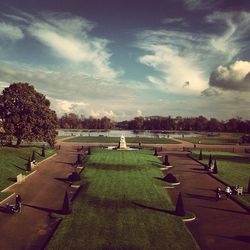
122 143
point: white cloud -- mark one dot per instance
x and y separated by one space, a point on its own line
233 77
10 32
173 61
176 20
237 26
69 37
199 4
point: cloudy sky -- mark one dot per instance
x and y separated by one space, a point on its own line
130 58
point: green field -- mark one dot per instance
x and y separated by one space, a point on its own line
211 140
103 139
12 163
232 168
122 206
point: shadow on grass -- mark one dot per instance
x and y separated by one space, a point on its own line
200 197
226 210
12 179
244 238
23 169
172 212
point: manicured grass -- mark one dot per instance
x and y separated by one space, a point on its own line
13 162
211 140
103 139
232 168
122 206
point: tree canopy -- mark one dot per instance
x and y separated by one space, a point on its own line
26 114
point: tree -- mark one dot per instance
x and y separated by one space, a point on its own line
79 159
89 150
200 156
166 162
26 114
210 161
215 170
33 157
156 153
180 210
43 151
28 166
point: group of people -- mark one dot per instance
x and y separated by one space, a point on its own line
228 192
17 206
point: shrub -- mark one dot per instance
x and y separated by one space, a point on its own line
180 210
215 170
156 153
170 178
200 156
33 157
74 177
28 165
166 162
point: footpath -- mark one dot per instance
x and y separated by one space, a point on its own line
41 193
220 224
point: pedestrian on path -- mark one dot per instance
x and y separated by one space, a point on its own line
218 193
18 202
228 192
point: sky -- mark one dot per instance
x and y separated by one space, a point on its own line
128 58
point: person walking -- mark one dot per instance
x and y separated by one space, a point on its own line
18 202
218 193
228 192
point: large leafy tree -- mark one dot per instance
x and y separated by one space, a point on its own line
26 114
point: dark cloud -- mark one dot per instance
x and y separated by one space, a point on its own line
210 92
233 77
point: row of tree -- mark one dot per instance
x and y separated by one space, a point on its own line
72 120
200 123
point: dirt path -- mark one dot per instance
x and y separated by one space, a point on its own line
220 224
41 193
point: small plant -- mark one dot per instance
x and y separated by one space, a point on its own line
170 178
65 207
200 156
180 210
74 177
215 170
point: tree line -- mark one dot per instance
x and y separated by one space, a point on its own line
72 121
199 123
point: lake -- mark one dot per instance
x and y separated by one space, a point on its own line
127 133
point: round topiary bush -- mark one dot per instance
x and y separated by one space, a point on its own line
170 178
74 177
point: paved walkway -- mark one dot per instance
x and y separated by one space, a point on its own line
220 224
41 193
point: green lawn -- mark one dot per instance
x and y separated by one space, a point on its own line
211 140
103 139
12 163
122 206
232 168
